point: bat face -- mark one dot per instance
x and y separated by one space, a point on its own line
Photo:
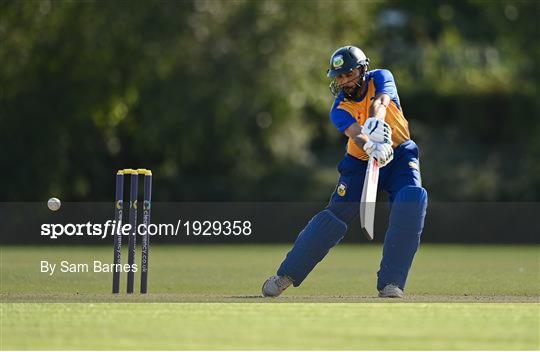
369 198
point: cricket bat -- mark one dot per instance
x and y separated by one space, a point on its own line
369 197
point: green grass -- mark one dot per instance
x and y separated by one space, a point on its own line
208 297
270 326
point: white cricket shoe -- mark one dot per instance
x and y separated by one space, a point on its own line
275 285
391 291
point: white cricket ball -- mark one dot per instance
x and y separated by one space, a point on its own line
54 204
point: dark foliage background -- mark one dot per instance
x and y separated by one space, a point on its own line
228 100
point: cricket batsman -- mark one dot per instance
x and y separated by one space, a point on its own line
368 111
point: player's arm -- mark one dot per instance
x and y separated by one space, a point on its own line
378 106
355 133
375 128
385 92
347 124
380 133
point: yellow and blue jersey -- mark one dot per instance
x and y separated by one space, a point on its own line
346 111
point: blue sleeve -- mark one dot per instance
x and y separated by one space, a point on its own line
384 83
341 119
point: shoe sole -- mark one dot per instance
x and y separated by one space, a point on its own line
393 296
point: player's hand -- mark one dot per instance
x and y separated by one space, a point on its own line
384 153
377 130
370 147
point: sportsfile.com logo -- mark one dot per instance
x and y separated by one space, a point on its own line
114 228
110 227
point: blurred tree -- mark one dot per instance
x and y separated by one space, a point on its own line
229 100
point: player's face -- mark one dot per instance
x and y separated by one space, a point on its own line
348 81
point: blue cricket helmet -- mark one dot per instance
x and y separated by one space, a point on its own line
346 59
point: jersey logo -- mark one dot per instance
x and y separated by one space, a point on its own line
413 165
342 189
337 61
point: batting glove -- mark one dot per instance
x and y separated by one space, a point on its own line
377 130
370 147
384 153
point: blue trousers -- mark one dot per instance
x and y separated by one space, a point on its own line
401 179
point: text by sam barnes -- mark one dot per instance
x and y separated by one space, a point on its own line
96 266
